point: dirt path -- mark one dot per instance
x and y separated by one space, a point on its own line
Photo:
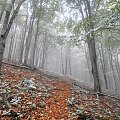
52 93
35 95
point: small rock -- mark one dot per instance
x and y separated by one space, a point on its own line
28 81
6 113
42 104
15 101
32 87
31 81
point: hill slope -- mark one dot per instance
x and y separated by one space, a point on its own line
34 95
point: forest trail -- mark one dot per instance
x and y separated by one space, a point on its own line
34 95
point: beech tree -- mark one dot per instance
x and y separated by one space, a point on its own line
8 20
85 9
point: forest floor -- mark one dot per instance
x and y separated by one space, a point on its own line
34 95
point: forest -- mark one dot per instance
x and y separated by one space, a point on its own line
59 60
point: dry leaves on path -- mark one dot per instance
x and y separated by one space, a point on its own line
34 95
29 95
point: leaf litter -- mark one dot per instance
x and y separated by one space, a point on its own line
32 95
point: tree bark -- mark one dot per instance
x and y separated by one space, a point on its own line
92 48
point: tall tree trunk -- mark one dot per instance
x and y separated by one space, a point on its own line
35 43
11 42
23 38
102 64
88 62
66 62
116 64
91 47
91 43
44 52
69 59
32 59
62 64
29 37
37 62
93 58
112 67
